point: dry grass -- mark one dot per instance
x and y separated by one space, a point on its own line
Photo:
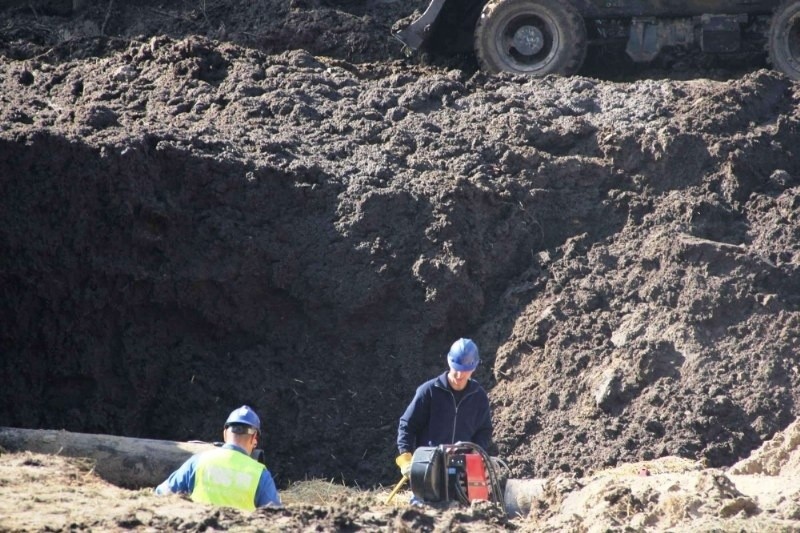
316 492
671 510
322 492
664 465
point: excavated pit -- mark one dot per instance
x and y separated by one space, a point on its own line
148 288
187 225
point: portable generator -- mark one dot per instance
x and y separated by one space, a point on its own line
461 472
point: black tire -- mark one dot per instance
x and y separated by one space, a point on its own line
783 41
533 37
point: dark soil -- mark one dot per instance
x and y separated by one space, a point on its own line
204 204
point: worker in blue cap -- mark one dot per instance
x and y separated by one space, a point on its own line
227 476
447 409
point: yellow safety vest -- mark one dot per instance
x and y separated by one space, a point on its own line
228 478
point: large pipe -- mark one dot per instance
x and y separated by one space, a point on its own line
519 494
124 461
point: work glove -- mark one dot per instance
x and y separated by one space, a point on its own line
404 462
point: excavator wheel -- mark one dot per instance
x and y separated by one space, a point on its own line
783 41
533 37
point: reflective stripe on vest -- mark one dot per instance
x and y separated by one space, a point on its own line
228 478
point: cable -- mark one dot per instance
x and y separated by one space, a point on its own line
462 496
497 495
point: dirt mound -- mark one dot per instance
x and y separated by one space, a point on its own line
779 456
707 500
356 30
670 493
190 224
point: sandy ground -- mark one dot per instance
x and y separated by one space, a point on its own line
53 493
46 492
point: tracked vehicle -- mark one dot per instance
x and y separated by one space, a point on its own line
540 37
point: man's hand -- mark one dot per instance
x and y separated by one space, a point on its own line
404 462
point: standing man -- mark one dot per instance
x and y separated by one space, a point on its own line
227 476
447 409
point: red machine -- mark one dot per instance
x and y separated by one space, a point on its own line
460 472
477 488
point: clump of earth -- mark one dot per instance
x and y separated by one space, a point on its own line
205 204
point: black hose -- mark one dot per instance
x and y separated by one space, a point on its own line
497 495
462 496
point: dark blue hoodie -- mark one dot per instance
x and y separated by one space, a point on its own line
433 418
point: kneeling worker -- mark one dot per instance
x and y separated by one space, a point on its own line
227 476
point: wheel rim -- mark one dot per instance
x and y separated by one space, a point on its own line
527 42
